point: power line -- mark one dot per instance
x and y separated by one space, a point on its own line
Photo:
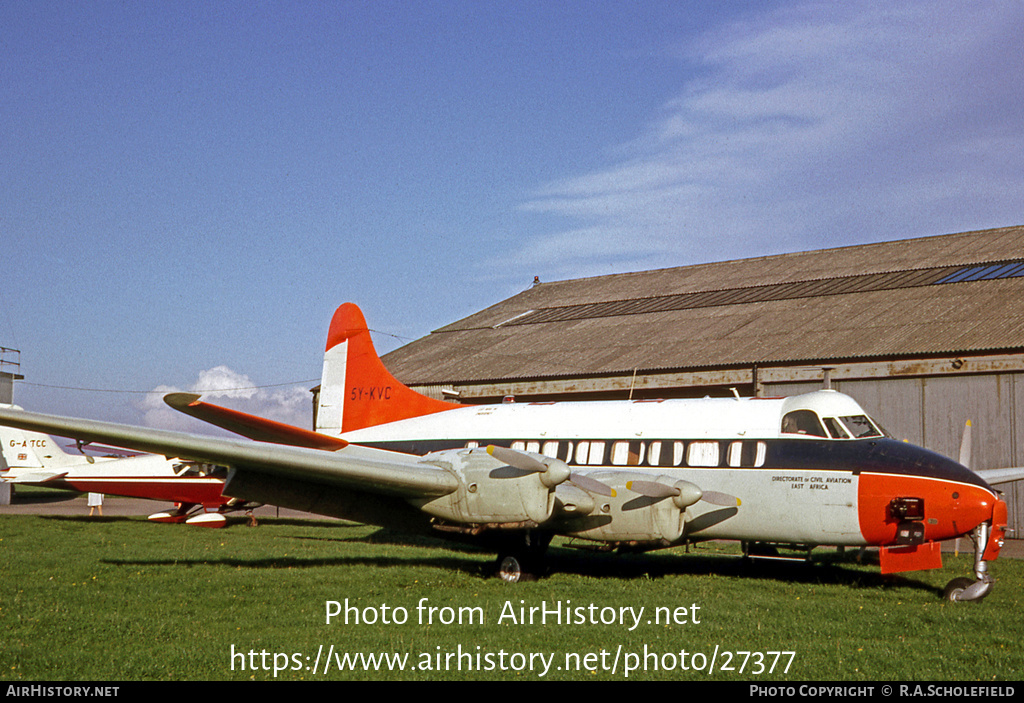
208 390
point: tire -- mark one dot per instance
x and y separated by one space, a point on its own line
955 587
510 569
514 569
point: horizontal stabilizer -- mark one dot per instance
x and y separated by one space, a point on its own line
993 476
251 426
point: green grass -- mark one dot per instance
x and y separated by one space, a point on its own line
121 599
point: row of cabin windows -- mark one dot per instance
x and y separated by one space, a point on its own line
666 453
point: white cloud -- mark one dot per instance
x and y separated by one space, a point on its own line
814 125
223 386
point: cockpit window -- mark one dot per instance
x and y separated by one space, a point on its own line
196 470
860 426
803 422
835 429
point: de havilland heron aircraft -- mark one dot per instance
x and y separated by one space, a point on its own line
808 470
32 458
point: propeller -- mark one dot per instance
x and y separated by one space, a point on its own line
683 493
556 470
965 446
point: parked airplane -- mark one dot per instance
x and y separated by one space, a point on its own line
808 470
197 489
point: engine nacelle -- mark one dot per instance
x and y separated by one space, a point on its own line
629 516
490 491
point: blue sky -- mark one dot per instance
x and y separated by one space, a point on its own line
188 190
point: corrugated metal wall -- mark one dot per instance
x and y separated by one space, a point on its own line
932 412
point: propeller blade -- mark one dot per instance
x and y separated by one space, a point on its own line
716 498
516 459
683 493
652 489
591 485
551 473
965 446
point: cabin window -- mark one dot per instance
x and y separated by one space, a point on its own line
636 453
860 426
654 453
193 470
803 422
520 446
677 453
627 453
591 453
557 450
702 454
746 453
565 451
533 447
582 451
664 453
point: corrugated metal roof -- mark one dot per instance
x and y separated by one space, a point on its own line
870 301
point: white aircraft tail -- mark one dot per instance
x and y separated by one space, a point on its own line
24 453
356 389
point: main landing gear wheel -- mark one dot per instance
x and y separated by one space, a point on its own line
511 569
522 557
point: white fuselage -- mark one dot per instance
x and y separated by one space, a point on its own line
718 444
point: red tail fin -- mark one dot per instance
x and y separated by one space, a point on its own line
356 390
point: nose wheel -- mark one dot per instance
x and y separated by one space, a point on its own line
965 589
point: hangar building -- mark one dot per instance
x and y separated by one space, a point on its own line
926 333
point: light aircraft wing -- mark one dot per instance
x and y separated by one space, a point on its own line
37 477
351 467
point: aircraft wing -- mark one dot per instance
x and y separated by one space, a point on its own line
993 476
38 477
360 469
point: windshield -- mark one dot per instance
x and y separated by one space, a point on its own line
860 426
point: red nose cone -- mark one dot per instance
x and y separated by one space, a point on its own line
951 508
